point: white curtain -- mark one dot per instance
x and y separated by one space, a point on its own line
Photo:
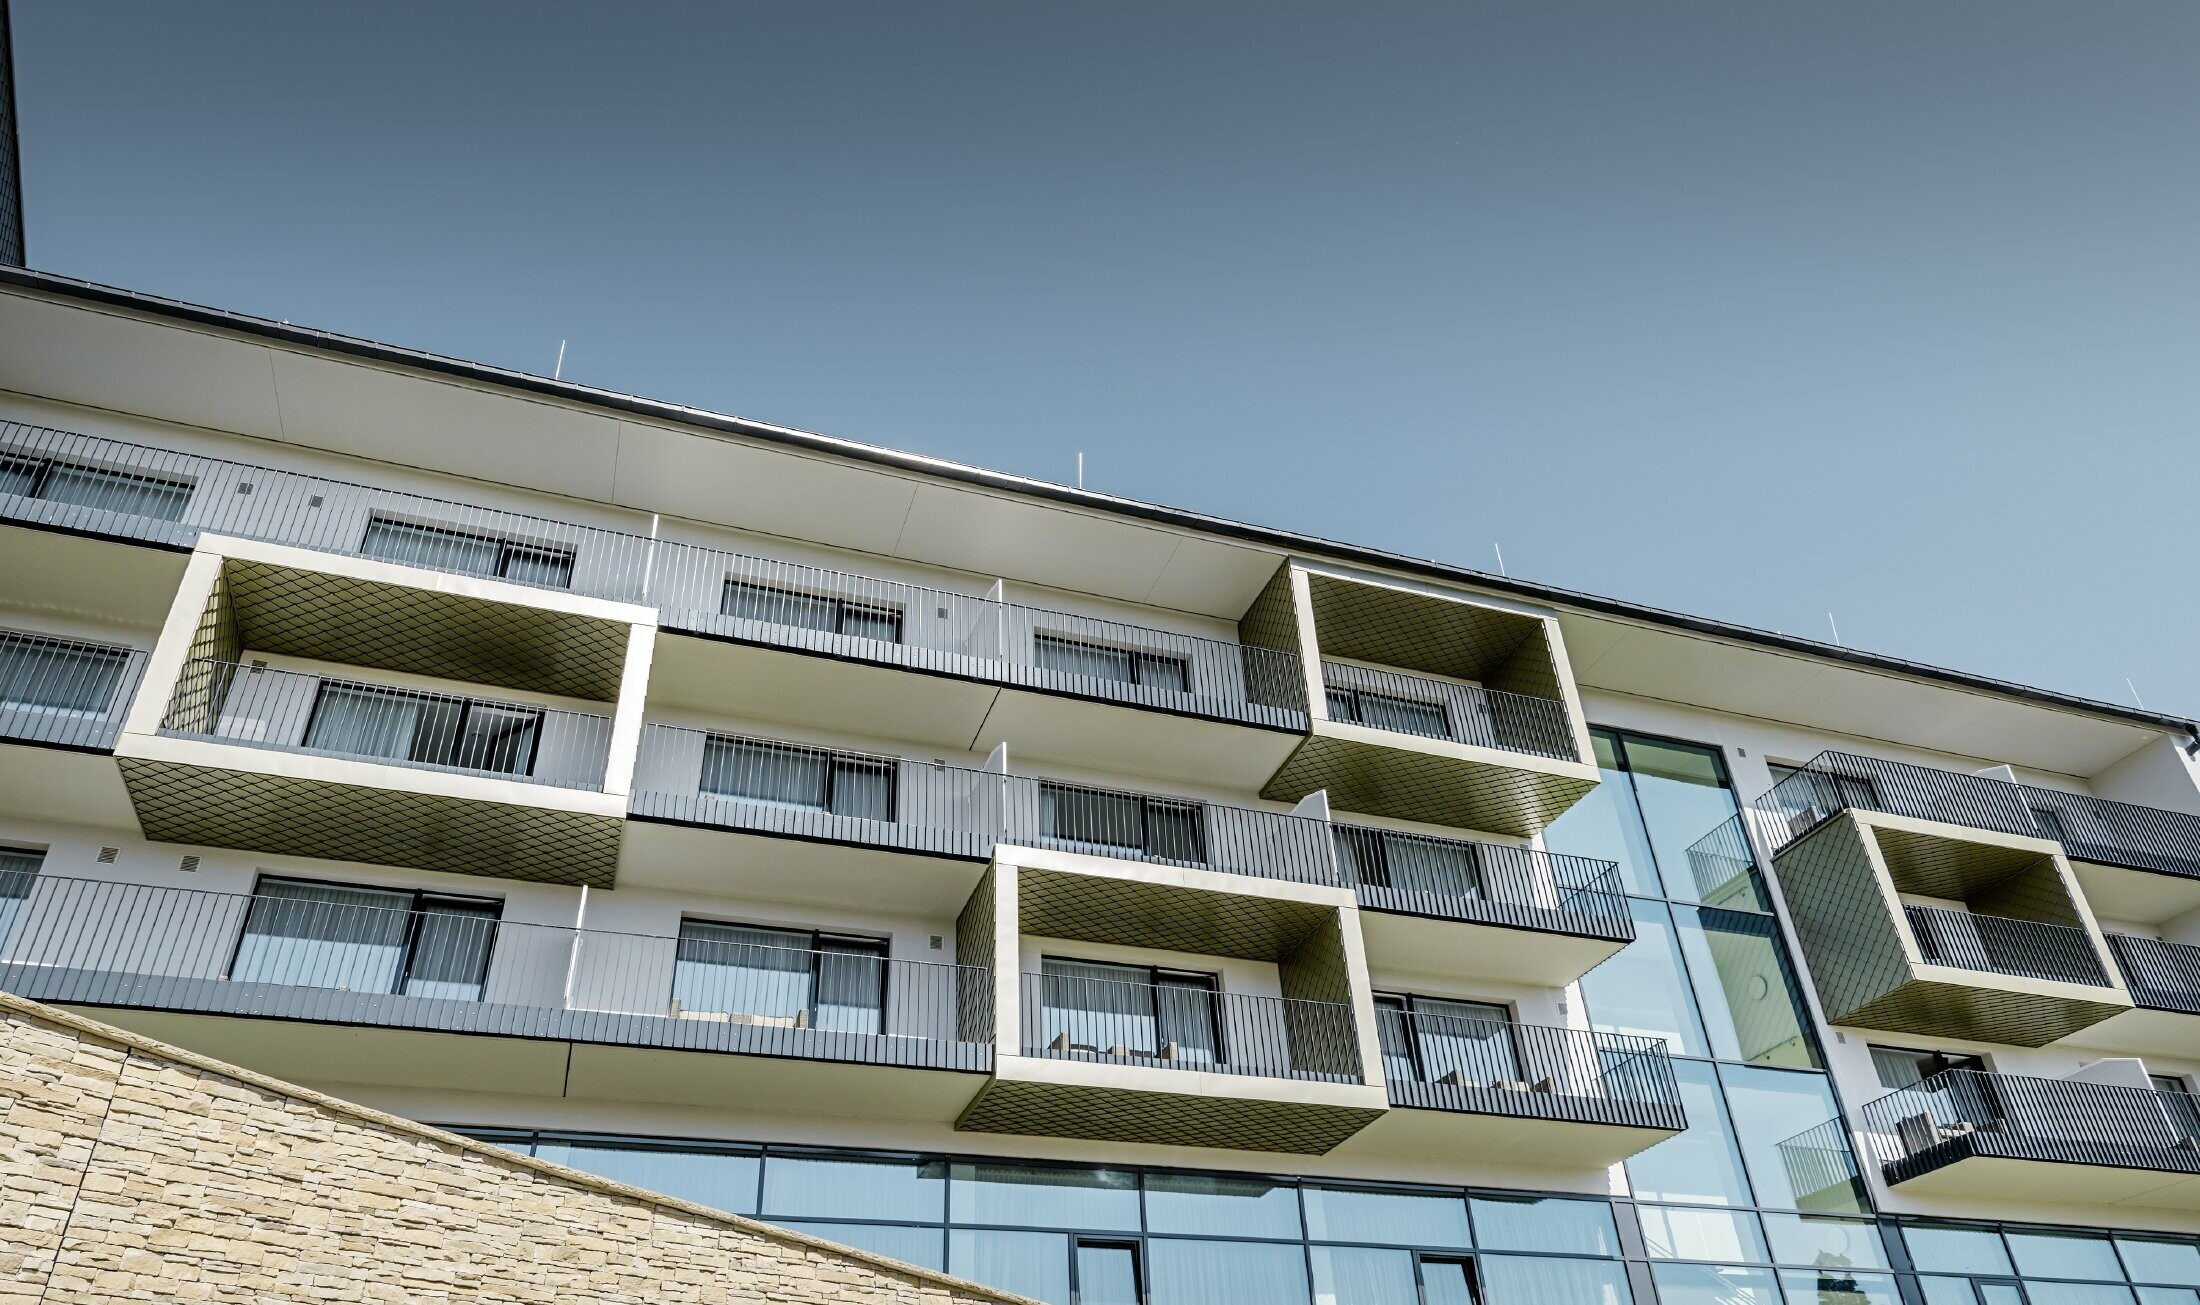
441 550
49 676
116 491
1225 1273
1098 1005
324 936
1357 1275
365 722
740 970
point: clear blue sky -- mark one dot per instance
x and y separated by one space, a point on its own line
1752 310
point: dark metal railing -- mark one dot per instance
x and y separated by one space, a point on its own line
1999 945
1499 1067
107 943
1724 867
1834 782
2161 975
2113 833
67 692
260 707
116 489
1821 1168
1398 871
1444 709
1125 1023
1962 1112
1167 830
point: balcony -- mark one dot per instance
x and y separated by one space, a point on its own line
1482 910
2003 948
62 703
329 766
1105 1021
1971 1133
806 640
318 983
1489 1090
1427 707
2164 981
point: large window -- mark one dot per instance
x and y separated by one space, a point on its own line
56 676
1409 863
1388 711
1658 799
772 605
363 720
18 875
793 978
1095 1008
443 549
1123 824
1434 1040
811 779
1100 662
130 493
314 935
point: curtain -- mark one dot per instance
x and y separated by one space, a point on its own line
1155 671
1098 1005
753 602
721 1180
736 969
1354 1275
18 873
863 788
1185 1013
1512 1280
1430 865
851 988
1445 1282
1071 657
1360 855
427 546
18 476
116 491
548 567
1404 715
1034 1264
880 623
363 722
1469 1036
498 739
766 772
450 957
40 673
1224 1273
1090 818
324 936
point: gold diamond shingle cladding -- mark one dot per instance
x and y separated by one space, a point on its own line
1163 1118
1430 784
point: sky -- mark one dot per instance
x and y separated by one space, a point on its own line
1888 309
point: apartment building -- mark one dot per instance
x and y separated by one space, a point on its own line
1096 900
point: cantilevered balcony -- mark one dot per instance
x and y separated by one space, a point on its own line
355 984
1106 1021
805 640
65 693
2071 1141
2164 981
1522 1093
1427 706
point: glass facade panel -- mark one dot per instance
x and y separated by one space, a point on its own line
1833 1243
1345 1214
1034 1264
1224 1273
1363 1275
1673 1232
1769 1106
1607 824
2064 1255
2168 1296
1956 1250
722 1180
1948 1291
1836 1287
1545 1224
803 1187
2077 1293
1684 795
1211 1206
1642 991
1714 1284
1747 998
1037 1196
1541 1280
916 1245
1701 1165
2153 1259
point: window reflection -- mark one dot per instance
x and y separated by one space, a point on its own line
1770 1106
1640 991
1699 1166
1748 1001
1607 823
1714 1284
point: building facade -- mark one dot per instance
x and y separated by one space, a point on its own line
1096 901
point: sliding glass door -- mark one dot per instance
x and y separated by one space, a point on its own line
792 977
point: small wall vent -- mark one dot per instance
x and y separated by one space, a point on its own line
936 940
189 865
107 855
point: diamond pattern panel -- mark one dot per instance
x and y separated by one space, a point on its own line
1416 632
343 822
1092 908
1161 1118
1999 880
1402 781
1272 622
424 632
1985 1014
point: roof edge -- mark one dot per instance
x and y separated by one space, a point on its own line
1284 541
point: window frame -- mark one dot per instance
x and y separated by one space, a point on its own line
1138 660
1405 1003
1133 1245
1356 697
880 945
1210 984
526 770
413 915
842 609
506 546
42 466
837 762
1146 803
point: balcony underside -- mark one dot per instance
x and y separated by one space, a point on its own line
50 572
2021 1012
544 1066
1095 899
933 877
1494 1125
38 782
949 701
1987 1164
2141 896
1435 781
1489 940
389 820
2146 1032
1169 1107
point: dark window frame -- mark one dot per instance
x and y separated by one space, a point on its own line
507 549
1405 1004
413 916
1141 660
880 945
1146 804
458 731
843 609
1208 981
42 467
1134 1245
837 763
1356 712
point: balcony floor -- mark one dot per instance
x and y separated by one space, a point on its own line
1530 1129
1987 1164
1112 1102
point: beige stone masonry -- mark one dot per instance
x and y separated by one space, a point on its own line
135 1171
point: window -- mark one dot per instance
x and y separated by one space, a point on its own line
51 675
444 549
1459 1043
1105 1273
812 779
1390 1216
1097 1008
1906 1067
1748 1001
1123 824
1122 665
1210 1205
721 1179
1386 711
369 721
2178 1103
854 1187
18 874
314 935
1044 1196
1658 801
2050 824
1545 1223
774 606
792 978
127 492
1409 863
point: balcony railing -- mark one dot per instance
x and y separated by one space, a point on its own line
2161 975
1442 1062
260 707
129 491
101 943
68 693
1997 944
1962 1113
1444 709
1724 867
1392 870
2117 833
1163 1027
1821 1168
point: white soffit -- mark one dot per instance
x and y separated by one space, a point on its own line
105 360
1721 675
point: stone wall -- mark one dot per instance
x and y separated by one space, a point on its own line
130 1170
